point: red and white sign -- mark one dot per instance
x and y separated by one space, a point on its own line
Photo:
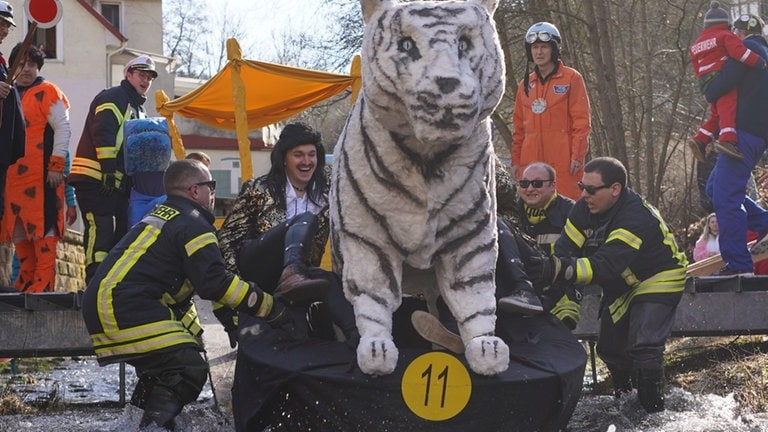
46 13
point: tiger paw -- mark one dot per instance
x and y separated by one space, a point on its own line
377 356
487 355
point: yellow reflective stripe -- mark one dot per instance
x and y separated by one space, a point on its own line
669 237
630 278
547 238
191 322
625 236
143 331
573 233
89 258
665 282
566 308
108 106
86 163
106 152
99 256
185 291
148 338
200 242
266 306
119 138
235 293
134 252
584 272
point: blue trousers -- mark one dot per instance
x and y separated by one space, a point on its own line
736 212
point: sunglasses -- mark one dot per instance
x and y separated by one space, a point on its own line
210 183
541 36
535 183
591 190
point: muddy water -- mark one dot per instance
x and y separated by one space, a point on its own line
81 383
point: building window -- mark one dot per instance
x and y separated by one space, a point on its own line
47 40
111 13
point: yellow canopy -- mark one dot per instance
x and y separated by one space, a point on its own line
247 95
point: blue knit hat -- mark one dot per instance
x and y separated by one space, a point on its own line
716 15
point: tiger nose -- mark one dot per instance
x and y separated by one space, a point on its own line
447 85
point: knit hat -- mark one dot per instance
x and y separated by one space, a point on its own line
750 23
716 15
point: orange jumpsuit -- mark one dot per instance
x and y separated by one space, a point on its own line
34 218
556 130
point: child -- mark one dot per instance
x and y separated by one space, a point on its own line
714 46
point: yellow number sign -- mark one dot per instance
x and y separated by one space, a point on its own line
436 386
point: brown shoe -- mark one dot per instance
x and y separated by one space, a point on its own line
698 149
729 148
431 329
296 287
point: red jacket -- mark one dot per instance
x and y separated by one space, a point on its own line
559 133
713 47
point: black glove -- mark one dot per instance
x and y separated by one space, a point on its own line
228 318
279 317
108 183
545 270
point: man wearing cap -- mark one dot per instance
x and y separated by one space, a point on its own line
98 169
12 128
736 211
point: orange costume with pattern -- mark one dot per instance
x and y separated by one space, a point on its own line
34 218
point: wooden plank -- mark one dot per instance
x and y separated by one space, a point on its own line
713 264
44 334
221 357
715 313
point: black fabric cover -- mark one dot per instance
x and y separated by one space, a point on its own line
314 384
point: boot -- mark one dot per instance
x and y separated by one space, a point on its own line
295 286
622 382
650 389
162 407
431 329
730 149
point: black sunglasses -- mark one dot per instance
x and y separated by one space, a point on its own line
210 183
592 189
535 183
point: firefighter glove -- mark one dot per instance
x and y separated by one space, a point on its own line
108 183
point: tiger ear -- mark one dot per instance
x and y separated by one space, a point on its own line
490 5
370 7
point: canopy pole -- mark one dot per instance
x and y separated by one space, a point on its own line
176 143
241 119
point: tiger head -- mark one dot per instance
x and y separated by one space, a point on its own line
431 69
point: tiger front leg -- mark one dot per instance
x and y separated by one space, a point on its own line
471 298
374 298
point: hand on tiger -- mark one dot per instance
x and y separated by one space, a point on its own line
279 317
546 270
228 318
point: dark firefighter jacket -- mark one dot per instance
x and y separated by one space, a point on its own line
629 251
139 300
100 149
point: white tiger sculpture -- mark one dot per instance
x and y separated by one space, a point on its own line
413 179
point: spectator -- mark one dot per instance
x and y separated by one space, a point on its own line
12 130
201 156
35 205
708 243
709 53
613 238
551 118
98 169
736 211
138 308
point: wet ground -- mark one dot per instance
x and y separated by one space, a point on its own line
79 384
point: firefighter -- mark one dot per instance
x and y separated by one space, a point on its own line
138 308
613 238
98 171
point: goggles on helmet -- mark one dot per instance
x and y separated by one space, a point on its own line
541 36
